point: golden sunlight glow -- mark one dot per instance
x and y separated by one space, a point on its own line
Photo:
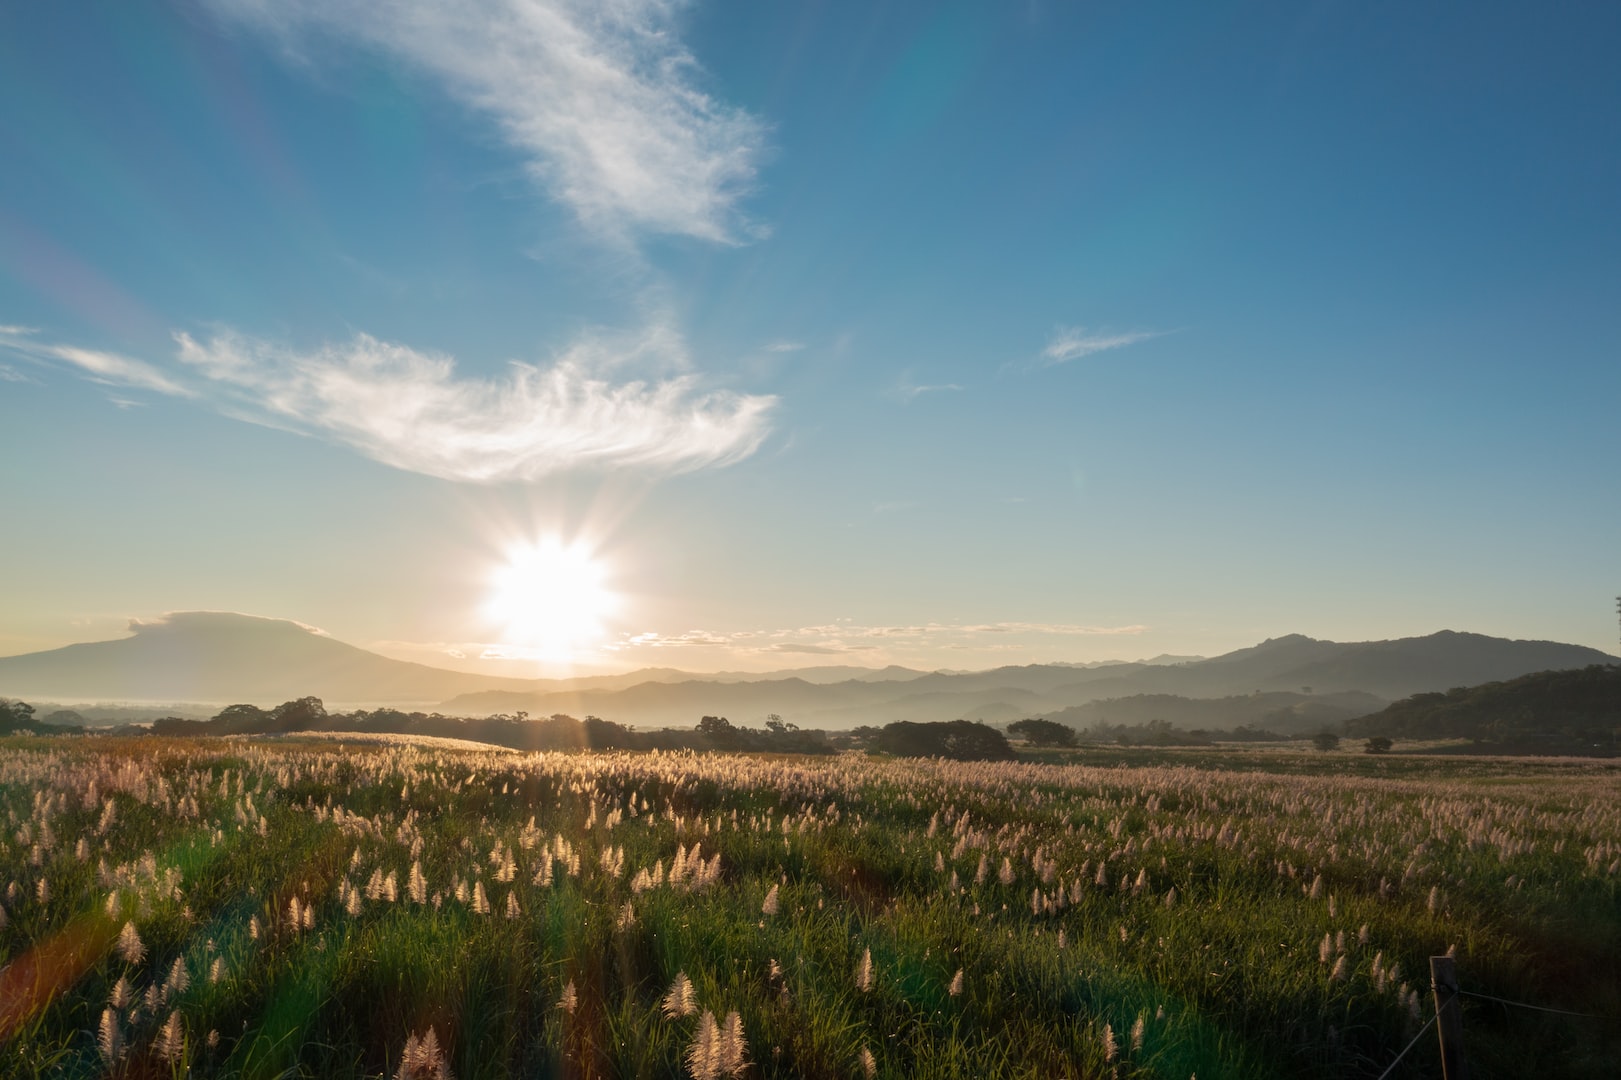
551 597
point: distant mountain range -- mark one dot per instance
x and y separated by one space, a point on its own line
223 657
215 657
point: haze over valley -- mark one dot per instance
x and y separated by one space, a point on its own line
190 663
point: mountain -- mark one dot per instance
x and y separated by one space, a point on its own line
1386 669
1346 678
223 657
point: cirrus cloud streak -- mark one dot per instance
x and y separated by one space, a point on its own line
1073 342
410 409
109 369
850 637
414 411
601 100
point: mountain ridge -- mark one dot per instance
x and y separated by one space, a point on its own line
228 658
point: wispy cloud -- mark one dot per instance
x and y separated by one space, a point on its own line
602 100
411 409
836 637
785 346
689 639
109 369
1060 629
908 393
1073 342
606 109
814 650
906 389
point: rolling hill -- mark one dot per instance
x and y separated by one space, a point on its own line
1571 711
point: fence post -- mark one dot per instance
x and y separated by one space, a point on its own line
1448 1016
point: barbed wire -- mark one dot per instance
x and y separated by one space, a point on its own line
1456 994
1427 1025
1524 1005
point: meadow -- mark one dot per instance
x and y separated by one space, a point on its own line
300 907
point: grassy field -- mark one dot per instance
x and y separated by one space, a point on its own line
280 908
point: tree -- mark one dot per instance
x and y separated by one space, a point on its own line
15 716
1038 732
720 732
1377 744
301 715
958 740
716 727
241 719
976 742
1326 741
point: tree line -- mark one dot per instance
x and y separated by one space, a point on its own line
959 740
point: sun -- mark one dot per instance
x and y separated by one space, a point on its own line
551 597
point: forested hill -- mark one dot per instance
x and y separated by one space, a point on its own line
1576 711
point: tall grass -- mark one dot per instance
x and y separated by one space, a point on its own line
921 919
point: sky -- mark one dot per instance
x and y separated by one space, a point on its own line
548 336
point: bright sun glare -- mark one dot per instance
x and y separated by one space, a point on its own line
551 597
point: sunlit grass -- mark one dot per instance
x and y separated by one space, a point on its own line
308 909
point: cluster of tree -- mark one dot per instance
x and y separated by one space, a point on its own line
17 718
958 740
1562 712
1327 741
1286 712
778 737
1152 733
1043 732
1164 733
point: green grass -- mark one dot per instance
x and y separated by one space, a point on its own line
208 844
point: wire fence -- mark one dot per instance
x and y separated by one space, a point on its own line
1427 1025
1524 1005
1456 993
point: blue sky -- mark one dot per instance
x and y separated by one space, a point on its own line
946 335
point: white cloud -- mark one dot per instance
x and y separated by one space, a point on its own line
1073 342
907 393
1057 629
689 639
850 636
412 410
109 369
599 96
785 346
817 650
